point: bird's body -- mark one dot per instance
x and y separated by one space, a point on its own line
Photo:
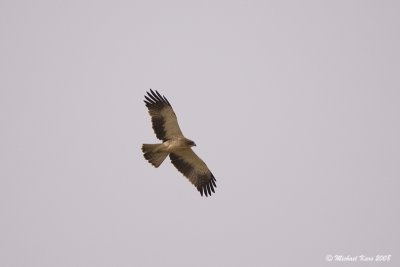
175 145
178 143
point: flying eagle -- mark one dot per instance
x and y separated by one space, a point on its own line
178 147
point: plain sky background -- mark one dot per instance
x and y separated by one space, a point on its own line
294 106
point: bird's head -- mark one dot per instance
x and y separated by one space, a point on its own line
190 143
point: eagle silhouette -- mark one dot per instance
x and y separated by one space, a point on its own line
175 144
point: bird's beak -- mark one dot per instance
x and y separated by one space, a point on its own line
194 144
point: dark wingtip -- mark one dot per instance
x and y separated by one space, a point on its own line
153 96
207 189
148 93
212 188
213 180
166 100
148 101
200 190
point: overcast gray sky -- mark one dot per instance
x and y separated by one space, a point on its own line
294 106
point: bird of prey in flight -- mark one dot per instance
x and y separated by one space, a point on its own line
177 146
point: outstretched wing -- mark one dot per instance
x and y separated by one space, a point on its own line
163 117
190 165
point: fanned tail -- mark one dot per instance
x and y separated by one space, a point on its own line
152 153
